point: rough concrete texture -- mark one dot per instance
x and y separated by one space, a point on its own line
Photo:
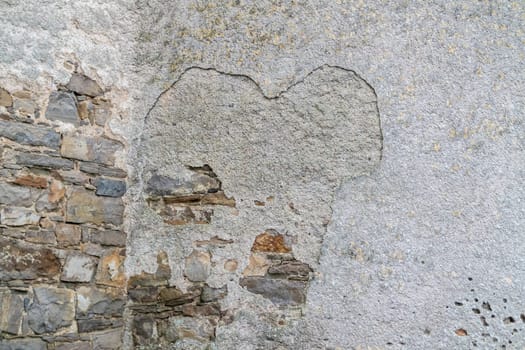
426 251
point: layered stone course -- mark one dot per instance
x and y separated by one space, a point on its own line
62 245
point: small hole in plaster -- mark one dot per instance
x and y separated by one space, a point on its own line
508 320
476 311
486 306
522 316
457 303
470 278
461 332
484 321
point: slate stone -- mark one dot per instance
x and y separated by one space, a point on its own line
279 291
161 185
31 135
40 236
52 309
21 261
108 340
291 270
143 327
92 325
16 195
84 206
84 85
99 169
105 237
93 301
31 181
209 309
42 161
62 106
67 234
79 268
109 187
23 344
15 216
210 294
79 345
11 311
92 149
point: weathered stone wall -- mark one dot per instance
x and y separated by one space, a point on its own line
188 174
62 247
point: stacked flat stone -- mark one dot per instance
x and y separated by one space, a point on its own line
62 246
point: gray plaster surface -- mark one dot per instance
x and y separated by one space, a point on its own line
440 219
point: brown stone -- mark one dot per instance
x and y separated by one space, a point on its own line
105 237
270 241
57 191
111 269
5 98
211 309
258 266
85 109
84 85
84 206
40 236
20 261
31 181
92 149
218 198
67 235
185 215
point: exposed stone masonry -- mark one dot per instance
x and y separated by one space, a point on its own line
62 247
182 201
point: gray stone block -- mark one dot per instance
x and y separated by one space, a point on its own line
109 187
62 106
31 135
